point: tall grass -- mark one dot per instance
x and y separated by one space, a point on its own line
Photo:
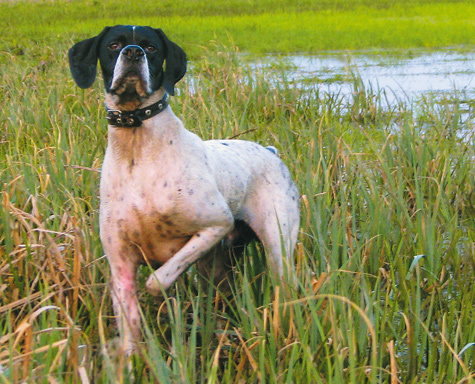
385 260
257 26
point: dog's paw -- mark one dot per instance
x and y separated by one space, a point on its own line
155 287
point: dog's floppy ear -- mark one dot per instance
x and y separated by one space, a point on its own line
83 58
175 63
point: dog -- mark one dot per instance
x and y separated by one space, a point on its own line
168 198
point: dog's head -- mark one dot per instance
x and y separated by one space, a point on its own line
132 60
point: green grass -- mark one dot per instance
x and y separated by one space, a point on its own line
256 26
381 185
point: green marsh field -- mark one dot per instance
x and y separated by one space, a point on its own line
386 253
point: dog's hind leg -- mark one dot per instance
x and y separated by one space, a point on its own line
276 224
216 266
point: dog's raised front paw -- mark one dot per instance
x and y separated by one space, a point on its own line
154 287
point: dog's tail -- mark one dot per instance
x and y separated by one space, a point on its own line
273 150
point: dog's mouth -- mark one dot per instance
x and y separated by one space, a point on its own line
129 85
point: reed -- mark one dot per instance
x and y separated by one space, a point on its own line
258 26
385 260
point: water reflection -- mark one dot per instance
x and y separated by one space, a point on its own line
400 79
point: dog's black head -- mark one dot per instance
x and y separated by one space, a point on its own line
132 60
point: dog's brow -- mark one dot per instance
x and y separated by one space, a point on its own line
133 34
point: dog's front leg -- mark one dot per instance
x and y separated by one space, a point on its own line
125 301
195 248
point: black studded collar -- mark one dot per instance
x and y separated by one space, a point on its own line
131 119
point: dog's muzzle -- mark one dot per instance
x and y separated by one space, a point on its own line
131 74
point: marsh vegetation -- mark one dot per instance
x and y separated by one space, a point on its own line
386 256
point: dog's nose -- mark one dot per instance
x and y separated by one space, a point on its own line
133 52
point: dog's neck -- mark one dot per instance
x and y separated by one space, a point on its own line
130 144
121 117
113 102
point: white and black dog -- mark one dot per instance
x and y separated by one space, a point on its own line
167 197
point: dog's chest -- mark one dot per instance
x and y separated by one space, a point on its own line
155 206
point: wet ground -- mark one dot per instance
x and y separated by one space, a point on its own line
404 79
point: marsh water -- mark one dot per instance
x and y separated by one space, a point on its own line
406 78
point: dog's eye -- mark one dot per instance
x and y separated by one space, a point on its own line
150 49
114 46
